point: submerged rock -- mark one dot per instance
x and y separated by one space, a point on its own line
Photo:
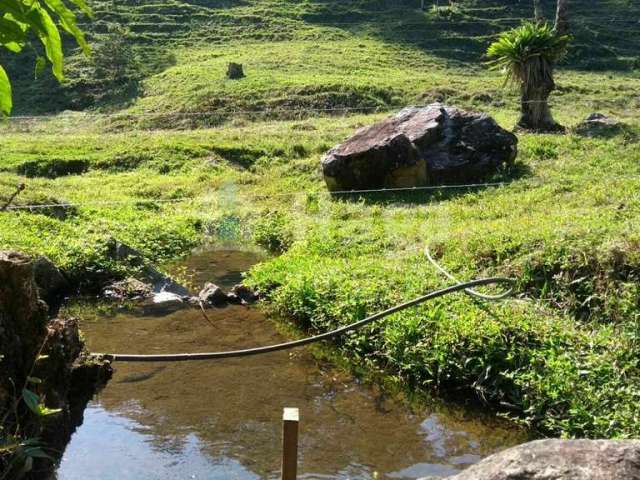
420 146
561 460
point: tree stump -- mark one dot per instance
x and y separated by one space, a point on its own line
235 71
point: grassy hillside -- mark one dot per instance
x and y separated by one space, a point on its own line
187 157
322 54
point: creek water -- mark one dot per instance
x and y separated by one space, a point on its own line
222 419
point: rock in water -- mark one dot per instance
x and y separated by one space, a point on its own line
420 146
160 282
242 294
167 297
212 294
561 460
128 289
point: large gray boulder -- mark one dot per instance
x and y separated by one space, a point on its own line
420 146
561 460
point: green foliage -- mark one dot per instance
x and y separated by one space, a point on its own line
34 403
563 361
21 447
527 54
181 51
536 364
273 231
21 455
19 18
111 76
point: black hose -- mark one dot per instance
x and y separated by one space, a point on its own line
181 357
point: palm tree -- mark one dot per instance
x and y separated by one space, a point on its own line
527 55
562 17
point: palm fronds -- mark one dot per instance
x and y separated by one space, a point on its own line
527 53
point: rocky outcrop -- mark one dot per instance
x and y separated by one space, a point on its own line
561 460
45 357
420 146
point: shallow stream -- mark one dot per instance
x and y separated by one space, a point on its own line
222 419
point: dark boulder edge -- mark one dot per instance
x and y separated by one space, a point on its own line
420 146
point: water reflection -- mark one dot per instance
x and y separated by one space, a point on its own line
222 419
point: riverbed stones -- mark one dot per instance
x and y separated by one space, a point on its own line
212 295
561 460
420 146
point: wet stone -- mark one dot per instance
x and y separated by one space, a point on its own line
242 294
128 289
212 294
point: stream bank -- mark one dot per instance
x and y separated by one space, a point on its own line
46 376
222 419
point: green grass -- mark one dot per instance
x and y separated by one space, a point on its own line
565 227
378 52
562 357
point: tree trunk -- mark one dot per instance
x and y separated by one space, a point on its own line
562 17
534 107
538 11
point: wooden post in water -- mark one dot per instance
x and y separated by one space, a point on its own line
290 420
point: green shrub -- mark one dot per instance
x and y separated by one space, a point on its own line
273 231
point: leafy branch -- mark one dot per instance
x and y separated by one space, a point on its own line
42 18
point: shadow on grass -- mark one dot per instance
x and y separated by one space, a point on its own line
461 34
440 193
